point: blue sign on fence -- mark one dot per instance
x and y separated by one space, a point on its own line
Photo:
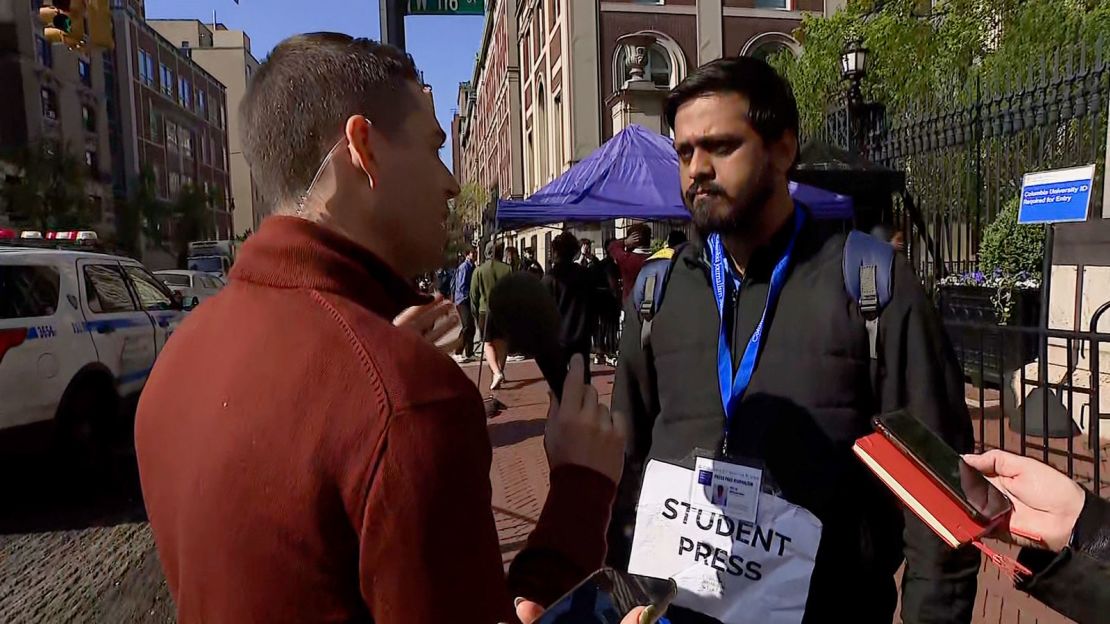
1056 196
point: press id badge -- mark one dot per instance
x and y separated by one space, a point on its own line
726 567
732 488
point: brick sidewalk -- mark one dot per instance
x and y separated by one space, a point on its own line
520 482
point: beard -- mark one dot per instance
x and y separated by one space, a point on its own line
718 212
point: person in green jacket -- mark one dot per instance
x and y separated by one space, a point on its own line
485 278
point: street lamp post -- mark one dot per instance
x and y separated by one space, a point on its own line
853 69
393 22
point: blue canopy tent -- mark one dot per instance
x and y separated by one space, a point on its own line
633 175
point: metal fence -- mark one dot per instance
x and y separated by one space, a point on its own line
964 154
1056 421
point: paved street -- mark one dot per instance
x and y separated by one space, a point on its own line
76 549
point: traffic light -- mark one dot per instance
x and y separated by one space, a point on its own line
100 24
64 22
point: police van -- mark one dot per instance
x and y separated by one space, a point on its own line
79 331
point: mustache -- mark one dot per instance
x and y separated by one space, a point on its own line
707 187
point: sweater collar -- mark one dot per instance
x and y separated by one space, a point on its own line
289 252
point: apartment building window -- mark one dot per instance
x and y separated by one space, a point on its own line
49 104
171 136
186 142
155 127
560 160
84 70
146 68
167 80
159 179
44 52
92 162
223 117
186 182
175 183
772 4
202 103
88 118
184 93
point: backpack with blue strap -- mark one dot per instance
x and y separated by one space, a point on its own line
868 264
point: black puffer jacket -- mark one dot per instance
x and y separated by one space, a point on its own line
810 398
1076 581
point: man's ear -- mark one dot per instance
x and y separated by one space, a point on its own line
784 152
362 143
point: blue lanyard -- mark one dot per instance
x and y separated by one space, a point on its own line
733 386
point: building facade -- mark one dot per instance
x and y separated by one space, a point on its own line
172 117
489 106
573 68
226 54
56 97
573 61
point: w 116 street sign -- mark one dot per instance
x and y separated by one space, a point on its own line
446 7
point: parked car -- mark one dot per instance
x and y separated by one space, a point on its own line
194 286
79 331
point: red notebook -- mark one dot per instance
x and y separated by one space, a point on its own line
928 499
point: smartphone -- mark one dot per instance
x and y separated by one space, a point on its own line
607 596
986 503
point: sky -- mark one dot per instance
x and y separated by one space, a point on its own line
444 47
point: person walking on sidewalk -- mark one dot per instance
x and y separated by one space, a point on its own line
461 295
486 276
572 288
758 354
331 466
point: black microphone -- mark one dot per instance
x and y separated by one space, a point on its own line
525 313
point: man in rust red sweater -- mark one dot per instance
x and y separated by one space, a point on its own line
303 459
630 254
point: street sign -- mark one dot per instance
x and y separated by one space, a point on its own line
446 7
1058 196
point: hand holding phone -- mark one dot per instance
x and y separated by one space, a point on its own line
1046 502
607 597
967 486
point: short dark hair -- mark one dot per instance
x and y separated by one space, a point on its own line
565 246
772 108
307 88
499 251
586 241
676 238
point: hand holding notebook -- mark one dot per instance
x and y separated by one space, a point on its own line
953 499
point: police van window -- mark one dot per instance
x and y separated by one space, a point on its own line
153 294
28 291
106 291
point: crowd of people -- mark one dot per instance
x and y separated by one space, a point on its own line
589 292
333 464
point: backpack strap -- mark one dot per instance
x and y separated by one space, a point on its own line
647 294
868 264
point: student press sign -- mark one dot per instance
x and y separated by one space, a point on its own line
732 569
